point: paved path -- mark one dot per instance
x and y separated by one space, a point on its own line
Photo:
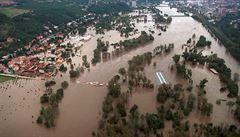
15 76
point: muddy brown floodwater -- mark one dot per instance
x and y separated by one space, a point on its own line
79 110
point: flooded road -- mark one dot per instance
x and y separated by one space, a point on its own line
80 107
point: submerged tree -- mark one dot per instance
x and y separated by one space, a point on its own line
114 89
176 58
202 83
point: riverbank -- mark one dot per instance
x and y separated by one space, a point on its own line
218 34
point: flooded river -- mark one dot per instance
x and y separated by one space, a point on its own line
80 109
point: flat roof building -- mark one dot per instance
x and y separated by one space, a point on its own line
160 79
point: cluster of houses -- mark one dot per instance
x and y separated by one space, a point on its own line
39 59
30 66
27 66
44 53
220 9
215 9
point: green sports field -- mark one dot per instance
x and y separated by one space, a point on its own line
5 78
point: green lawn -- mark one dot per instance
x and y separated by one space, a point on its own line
12 12
5 78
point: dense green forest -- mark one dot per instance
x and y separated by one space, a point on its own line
107 8
54 13
5 27
228 27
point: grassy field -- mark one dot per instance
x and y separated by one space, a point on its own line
5 78
12 12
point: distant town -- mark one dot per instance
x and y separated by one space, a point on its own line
213 9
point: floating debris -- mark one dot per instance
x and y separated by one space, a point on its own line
96 84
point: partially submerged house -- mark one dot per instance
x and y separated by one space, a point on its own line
213 71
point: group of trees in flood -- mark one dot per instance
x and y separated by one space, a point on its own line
121 23
124 26
181 68
136 77
163 49
131 44
159 18
203 105
202 42
102 47
213 62
62 68
175 104
144 38
185 72
76 72
101 52
217 64
85 63
50 101
117 120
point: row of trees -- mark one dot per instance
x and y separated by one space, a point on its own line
50 101
160 18
85 61
102 47
211 130
130 44
126 45
163 49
